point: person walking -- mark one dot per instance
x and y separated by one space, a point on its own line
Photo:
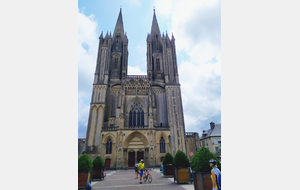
141 169
136 168
215 172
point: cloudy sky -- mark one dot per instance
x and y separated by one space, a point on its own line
196 26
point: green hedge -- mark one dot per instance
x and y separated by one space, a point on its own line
180 160
200 161
98 163
168 159
85 163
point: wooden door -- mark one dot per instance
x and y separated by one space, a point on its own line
131 159
107 163
140 155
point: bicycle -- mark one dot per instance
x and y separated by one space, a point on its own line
103 175
147 175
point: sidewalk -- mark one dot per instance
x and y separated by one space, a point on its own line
125 180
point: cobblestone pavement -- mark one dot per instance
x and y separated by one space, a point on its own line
125 180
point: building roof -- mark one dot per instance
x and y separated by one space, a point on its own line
215 132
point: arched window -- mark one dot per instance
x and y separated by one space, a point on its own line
162 145
136 114
108 146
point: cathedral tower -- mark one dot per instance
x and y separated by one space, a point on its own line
162 71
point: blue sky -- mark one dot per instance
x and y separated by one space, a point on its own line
196 26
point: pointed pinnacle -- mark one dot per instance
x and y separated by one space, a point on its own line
154 27
119 25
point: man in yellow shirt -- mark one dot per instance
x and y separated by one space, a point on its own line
141 169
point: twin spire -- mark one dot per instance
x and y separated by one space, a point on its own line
119 28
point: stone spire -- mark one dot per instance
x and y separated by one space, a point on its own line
154 27
119 26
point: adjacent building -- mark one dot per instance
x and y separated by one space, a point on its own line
211 139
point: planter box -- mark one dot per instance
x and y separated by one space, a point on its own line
84 178
202 180
97 174
182 175
168 170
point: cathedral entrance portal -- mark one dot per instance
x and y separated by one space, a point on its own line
136 143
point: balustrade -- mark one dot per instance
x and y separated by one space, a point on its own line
137 76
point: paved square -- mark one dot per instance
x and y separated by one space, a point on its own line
122 179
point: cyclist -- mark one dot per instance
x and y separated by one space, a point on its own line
141 168
136 168
214 173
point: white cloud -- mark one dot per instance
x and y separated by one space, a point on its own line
196 26
87 54
135 3
163 7
135 71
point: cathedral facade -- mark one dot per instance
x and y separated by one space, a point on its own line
135 117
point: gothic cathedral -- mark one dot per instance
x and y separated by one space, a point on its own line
135 117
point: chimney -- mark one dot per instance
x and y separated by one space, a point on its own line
212 125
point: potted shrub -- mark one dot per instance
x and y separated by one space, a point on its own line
181 168
85 167
98 166
167 162
201 169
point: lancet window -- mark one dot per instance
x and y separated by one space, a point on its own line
157 64
162 145
108 146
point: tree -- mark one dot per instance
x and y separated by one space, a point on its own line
98 163
168 159
180 160
85 163
200 161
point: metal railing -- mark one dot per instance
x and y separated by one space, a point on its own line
109 128
162 127
137 76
